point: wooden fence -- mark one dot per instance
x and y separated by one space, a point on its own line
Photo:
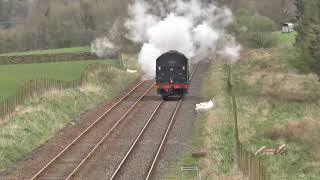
40 86
250 165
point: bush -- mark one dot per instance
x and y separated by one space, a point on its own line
253 30
246 21
258 40
262 24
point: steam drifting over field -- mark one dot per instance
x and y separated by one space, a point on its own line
192 28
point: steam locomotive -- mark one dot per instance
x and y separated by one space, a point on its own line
172 75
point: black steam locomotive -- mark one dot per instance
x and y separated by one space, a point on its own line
172 75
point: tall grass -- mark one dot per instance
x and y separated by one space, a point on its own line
277 105
219 126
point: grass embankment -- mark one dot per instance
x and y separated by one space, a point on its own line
213 133
219 126
82 49
278 105
13 77
41 117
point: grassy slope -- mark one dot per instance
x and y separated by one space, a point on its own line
219 126
213 132
50 51
13 77
42 117
277 105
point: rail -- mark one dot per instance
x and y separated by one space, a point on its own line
91 126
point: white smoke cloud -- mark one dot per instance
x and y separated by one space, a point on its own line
147 57
140 21
232 51
102 47
175 34
189 27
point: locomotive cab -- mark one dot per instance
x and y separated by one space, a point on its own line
172 74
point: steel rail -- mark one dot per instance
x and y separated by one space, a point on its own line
162 144
138 138
107 135
163 141
86 130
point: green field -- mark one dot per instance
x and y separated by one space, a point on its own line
12 77
82 49
284 39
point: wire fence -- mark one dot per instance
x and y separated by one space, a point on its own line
39 86
250 165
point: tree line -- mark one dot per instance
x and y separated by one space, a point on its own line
43 24
308 40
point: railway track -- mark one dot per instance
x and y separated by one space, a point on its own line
134 164
66 163
72 158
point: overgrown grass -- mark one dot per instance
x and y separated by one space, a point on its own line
277 105
82 49
41 117
219 126
12 77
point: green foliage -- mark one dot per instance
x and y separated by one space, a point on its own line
258 40
284 39
267 89
53 24
309 36
12 77
247 21
253 29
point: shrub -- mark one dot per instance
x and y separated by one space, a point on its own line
258 40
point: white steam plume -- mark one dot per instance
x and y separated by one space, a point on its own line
102 47
189 27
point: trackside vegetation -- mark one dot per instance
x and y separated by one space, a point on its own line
219 126
277 104
13 77
41 117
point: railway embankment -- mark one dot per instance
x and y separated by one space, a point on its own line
40 117
276 105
